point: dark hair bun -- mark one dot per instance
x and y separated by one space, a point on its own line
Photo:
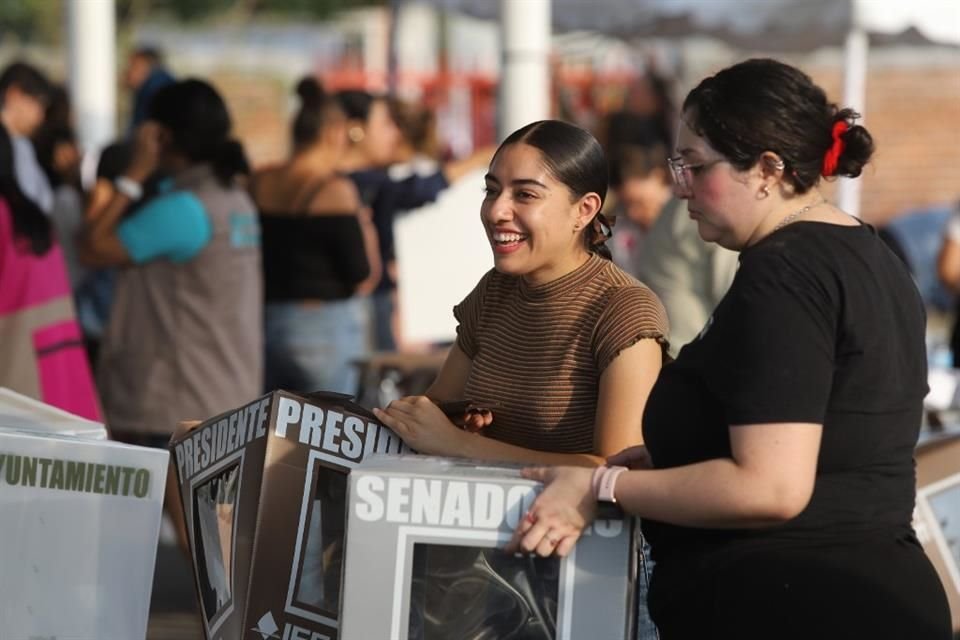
765 105
857 145
310 91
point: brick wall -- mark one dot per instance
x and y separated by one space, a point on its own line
913 113
261 107
912 110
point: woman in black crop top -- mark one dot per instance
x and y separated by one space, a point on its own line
782 485
319 256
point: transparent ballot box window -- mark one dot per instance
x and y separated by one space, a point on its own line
479 593
214 530
318 578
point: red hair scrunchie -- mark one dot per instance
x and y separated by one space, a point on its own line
832 157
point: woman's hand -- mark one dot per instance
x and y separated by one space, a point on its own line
634 458
559 514
423 426
474 420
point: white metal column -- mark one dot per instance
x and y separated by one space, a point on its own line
525 73
856 52
92 65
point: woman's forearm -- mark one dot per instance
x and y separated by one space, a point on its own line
715 494
372 251
100 224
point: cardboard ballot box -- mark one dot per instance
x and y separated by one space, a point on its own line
79 526
264 495
937 515
423 563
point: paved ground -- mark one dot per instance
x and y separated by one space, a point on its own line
173 609
174 626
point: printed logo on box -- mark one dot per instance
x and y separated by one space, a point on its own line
71 475
348 438
267 628
451 503
209 445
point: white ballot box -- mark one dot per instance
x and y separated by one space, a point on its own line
937 515
79 527
423 560
20 412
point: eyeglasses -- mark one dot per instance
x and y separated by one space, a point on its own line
684 172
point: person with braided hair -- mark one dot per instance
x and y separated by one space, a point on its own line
777 484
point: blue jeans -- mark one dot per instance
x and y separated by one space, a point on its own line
313 346
93 298
383 339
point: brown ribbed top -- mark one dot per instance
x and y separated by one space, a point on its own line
540 350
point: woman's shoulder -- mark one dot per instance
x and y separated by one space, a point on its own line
495 281
614 278
810 249
625 295
336 195
266 180
494 290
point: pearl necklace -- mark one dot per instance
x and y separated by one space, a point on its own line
796 214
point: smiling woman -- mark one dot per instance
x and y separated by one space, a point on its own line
567 344
533 219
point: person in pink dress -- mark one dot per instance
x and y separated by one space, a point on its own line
41 347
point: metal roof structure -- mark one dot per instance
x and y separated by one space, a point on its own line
784 25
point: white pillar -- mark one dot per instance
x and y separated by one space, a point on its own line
525 79
376 48
92 64
854 96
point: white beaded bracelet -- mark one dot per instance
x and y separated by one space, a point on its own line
129 187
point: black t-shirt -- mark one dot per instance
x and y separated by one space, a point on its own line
319 257
822 324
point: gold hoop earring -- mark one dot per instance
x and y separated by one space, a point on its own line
765 190
355 134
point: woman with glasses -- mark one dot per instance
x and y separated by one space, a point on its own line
777 484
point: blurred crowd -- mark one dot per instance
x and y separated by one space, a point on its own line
183 281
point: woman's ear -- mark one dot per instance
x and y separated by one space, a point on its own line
588 206
770 168
770 165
